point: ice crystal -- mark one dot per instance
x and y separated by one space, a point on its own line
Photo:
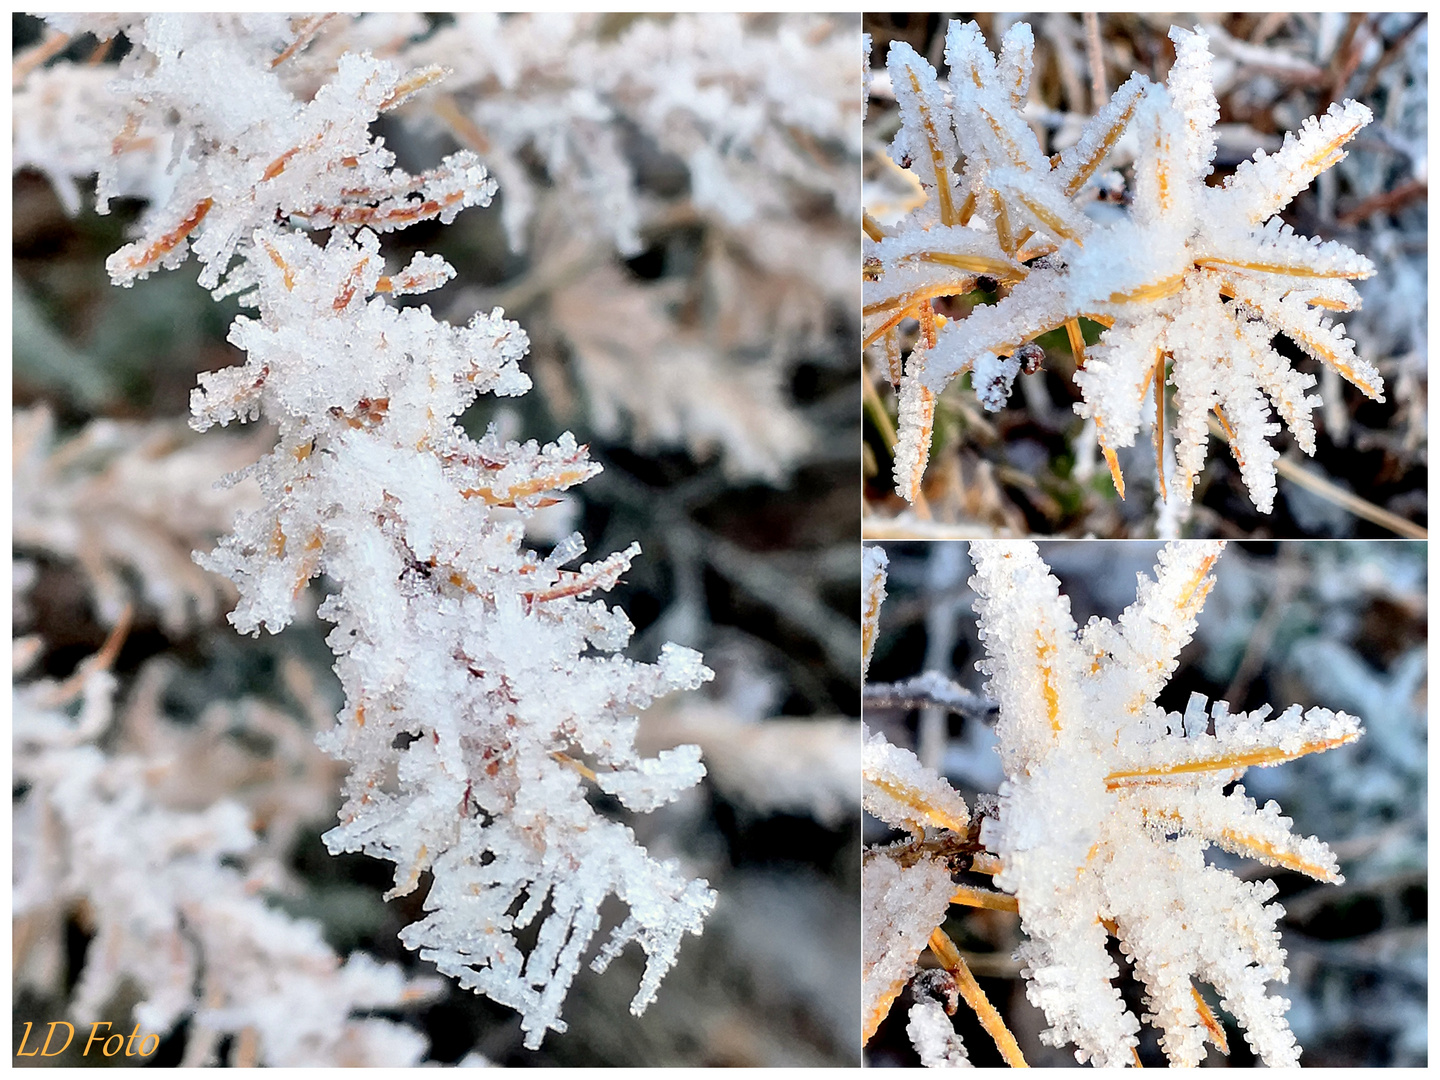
701 134
1109 804
484 696
905 891
901 791
874 563
934 1037
1191 286
902 904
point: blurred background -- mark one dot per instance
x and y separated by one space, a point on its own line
1027 469
684 268
1339 625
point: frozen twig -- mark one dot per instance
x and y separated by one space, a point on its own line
927 689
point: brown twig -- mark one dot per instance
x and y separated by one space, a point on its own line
1391 53
1099 96
970 896
461 126
1345 60
36 55
1283 584
876 408
135 257
1267 26
101 52
1293 471
1384 202
1361 508
72 687
304 34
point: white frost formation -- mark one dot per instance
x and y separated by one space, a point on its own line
1104 817
901 903
608 133
934 1037
904 892
483 691
1194 281
874 562
1109 804
129 824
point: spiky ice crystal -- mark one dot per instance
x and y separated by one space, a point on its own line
1191 285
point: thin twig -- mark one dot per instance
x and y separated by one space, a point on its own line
247 1048
1384 202
908 527
1345 60
970 896
36 55
460 124
101 52
1099 95
72 687
789 595
931 689
1284 581
1296 473
305 33
1390 54
1267 26
876 410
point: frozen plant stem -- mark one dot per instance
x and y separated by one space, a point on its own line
484 691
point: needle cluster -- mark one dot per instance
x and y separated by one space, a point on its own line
1108 807
1190 286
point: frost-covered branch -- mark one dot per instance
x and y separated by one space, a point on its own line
929 688
145 831
484 694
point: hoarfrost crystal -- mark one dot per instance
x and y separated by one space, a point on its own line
934 1037
1109 804
901 905
1190 287
904 893
483 693
158 847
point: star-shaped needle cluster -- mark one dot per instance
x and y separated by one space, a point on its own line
1208 278
1192 285
1109 804
1107 809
